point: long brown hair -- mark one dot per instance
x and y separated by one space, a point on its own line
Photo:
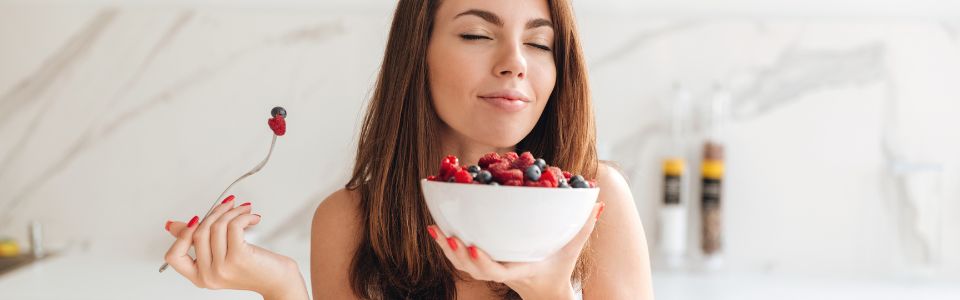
399 144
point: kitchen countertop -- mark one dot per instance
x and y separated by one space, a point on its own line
103 276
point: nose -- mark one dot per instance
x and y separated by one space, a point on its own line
511 62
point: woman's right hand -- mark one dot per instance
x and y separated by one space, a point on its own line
225 260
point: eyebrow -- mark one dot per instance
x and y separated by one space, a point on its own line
495 20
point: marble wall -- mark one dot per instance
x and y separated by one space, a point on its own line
841 147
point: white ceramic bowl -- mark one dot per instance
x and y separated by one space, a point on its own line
510 223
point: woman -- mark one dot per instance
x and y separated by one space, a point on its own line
461 77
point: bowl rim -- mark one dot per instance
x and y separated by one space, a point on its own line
424 180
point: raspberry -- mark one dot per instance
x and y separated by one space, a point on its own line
432 178
514 182
525 160
278 125
488 159
540 183
503 176
567 175
557 173
463 176
500 166
510 157
549 178
449 167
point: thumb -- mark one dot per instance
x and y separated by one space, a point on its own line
575 245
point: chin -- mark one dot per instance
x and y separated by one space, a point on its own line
502 138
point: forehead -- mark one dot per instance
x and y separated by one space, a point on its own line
511 11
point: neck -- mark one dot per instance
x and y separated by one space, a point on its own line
467 150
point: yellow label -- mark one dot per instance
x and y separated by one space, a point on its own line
712 169
673 167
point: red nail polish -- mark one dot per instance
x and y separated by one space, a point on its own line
245 204
167 226
453 243
433 232
473 252
193 221
600 211
228 199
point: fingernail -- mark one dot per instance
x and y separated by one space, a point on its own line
245 204
473 252
258 215
433 232
167 226
453 243
228 199
600 211
193 221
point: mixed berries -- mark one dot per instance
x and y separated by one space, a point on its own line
509 169
277 123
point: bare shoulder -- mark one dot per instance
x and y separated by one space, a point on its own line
334 239
611 179
621 260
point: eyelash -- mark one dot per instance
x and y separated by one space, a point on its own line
474 37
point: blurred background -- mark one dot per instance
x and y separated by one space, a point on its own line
838 121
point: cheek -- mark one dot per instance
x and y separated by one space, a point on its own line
544 81
452 79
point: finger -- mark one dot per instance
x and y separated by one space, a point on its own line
575 245
177 255
461 251
445 245
485 265
174 228
218 232
201 238
235 229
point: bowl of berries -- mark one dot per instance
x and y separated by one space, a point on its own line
517 208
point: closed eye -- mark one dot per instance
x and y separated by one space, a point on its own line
473 37
538 46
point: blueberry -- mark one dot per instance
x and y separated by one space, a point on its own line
484 176
533 173
278 111
576 178
473 175
451 179
564 184
494 183
473 169
540 163
580 184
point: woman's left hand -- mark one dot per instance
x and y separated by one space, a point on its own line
547 279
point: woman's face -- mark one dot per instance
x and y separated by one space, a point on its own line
491 68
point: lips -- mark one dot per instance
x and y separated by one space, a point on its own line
506 100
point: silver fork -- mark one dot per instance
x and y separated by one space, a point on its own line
251 172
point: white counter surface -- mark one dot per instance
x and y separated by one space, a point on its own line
101 276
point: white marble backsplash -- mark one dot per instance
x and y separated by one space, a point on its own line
842 149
